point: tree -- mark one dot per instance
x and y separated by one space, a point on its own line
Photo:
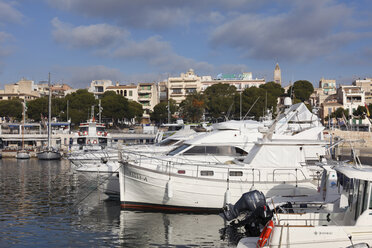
302 90
135 110
160 113
273 88
114 106
361 112
219 99
11 108
192 108
257 100
80 103
38 108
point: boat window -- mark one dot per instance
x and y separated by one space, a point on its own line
102 141
365 193
240 152
100 129
206 173
81 141
167 142
370 197
178 149
236 173
82 129
215 150
195 150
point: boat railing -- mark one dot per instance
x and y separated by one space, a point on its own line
202 169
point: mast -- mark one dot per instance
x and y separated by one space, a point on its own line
100 111
23 125
49 112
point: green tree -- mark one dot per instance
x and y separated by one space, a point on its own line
114 106
80 103
301 90
160 113
219 98
256 101
361 112
11 108
37 108
340 112
273 88
192 108
135 110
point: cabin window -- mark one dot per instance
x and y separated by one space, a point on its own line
236 173
102 141
240 152
195 150
178 150
206 173
81 141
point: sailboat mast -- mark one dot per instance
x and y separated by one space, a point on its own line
49 111
23 125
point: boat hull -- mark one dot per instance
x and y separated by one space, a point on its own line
49 155
143 188
23 155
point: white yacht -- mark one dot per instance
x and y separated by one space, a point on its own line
346 222
204 173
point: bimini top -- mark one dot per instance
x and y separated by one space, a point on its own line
361 173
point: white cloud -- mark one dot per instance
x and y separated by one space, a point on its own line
99 35
308 30
8 13
80 76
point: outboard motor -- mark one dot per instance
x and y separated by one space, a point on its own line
249 201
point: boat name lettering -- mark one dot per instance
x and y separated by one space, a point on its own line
137 176
323 233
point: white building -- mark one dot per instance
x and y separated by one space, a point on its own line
98 87
351 97
186 83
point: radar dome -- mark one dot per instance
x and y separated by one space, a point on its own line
287 101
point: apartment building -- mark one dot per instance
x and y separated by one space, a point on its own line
240 81
179 87
23 89
366 85
128 91
148 97
98 87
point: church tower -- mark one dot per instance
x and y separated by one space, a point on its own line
277 75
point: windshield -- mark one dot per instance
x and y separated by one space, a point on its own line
216 150
178 149
167 142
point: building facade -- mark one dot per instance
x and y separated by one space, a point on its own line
148 97
128 91
98 87
23 89
366 85
179 87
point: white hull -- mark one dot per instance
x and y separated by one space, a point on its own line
143 188
106 176
23 155
49 155
309 237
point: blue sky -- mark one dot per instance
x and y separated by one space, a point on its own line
147 40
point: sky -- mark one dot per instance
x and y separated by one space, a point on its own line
148 40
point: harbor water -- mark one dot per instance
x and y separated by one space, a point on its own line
46 204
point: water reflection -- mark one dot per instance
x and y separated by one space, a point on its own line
45 204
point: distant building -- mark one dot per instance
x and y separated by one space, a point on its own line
128 91
277 74
366 85
328 86
98 87
179 87
351 97
23 89
240 81
148 97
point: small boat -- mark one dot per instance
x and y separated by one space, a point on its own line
23 154
49 153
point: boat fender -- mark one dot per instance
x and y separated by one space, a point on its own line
94 141
265 234
227 197
169 188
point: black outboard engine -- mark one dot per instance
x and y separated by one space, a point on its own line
249 201
255 213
